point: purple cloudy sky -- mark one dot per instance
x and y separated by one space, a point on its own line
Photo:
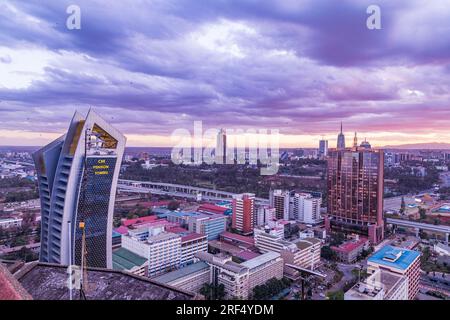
300 66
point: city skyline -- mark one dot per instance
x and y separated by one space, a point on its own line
300 67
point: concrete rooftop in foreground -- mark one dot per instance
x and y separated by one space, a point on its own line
44 281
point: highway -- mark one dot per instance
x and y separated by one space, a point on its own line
176 190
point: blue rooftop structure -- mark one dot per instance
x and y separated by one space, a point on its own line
399 258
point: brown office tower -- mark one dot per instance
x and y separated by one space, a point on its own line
355 192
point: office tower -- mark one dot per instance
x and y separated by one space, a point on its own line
243 212
77 175
323 148
355 192
341 140
398 261
279 199
305 208
221 147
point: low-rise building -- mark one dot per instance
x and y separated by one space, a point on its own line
190 278
380 285
10 223
239 279
349 251
125 260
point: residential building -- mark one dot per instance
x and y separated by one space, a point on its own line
77 178
305 208
279 199
243 213
264 214
399 261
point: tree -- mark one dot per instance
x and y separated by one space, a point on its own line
212 292
327 253
422 213
336 295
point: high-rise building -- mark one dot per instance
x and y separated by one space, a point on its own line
77 175
399 261
323 148
264 214
221 147
341 140
244 212
279 199
355 192
305 208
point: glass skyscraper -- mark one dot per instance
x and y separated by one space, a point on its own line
77 176
355 192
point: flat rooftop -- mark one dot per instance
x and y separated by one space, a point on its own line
124 259
260 260
183 272
399 258
44 281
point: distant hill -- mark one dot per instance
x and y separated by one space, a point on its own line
427 146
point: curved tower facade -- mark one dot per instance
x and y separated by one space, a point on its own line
77 176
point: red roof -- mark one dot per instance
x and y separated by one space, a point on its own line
209 207
176 229
350 246
247 255
237 237
141 220
121 230
192 236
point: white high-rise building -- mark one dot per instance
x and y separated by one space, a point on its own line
264 214
305 208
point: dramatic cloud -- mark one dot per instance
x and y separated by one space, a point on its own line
300 66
